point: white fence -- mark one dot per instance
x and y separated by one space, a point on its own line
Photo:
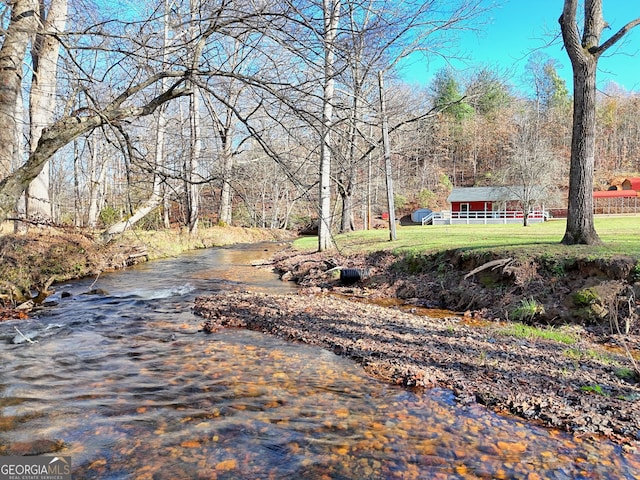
484 217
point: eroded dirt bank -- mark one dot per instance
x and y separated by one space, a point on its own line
32 262
596 293
577 387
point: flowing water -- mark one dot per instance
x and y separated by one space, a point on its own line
124 383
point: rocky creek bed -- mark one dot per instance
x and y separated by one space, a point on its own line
586 387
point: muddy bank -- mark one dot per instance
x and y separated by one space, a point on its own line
535 379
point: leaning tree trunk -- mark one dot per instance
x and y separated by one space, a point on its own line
145 209
158 190
156 197
67 129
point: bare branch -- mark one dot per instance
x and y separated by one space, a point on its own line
617 36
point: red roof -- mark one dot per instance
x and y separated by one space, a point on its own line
615 193
631 184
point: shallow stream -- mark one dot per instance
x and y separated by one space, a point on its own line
124 382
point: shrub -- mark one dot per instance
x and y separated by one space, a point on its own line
109 215
426 198
527 310
586 297
399 200
635 272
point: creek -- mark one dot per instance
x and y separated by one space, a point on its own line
125 382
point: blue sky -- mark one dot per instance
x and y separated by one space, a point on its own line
516 28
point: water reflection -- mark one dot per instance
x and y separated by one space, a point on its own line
133 390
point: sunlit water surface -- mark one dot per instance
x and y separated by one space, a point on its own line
133 390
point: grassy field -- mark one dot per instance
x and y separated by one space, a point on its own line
620 236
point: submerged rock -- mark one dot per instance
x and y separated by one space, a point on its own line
96 291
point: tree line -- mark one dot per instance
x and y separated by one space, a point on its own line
268 114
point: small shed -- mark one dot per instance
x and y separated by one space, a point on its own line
420 214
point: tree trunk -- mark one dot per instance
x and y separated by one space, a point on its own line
78 214
349 168
149 206
23 25
331 11
45 53
158 191
158 155
166 208
387 161
346 195
226 213
97 173
20 207
580 227
161 122
192 189
191 165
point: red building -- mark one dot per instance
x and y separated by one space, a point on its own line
618 199
494 205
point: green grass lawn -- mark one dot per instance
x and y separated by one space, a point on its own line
620 236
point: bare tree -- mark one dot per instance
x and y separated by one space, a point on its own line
191 164
73 125
223 101
533 169
225 132
155 167
584 52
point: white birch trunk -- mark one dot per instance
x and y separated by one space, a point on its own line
331 10
191 166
